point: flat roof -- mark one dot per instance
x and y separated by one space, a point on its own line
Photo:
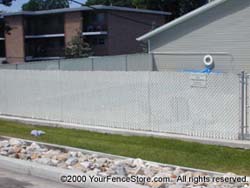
182 19
86 8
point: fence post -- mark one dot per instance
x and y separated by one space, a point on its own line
243 106
149 103
126 63
246 98
59 64
92 64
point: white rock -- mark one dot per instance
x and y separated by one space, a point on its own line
230 174
138 163
102 162
164 169
82 158
86 164
94 172
11 151
103 174
211 186
248 179
118 162
5 149
73 154
4 143
4 153
61 157
156 184
139 171
51 153
188 174
110 172
178 186
15 142
149 172
34 146
54 162
178 171
129 162
120 171
71 161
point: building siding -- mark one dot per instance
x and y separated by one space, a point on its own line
123 32
225 28
14 41
72 25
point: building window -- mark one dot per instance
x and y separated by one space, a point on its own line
45 24
45 47
1 28
96 40
101 40
2 42
94 22
99 18
2 48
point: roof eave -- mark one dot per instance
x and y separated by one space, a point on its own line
181 19
85 8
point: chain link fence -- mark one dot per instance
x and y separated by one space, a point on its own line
203 105
131 62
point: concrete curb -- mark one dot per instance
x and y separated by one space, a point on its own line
54 174
228 143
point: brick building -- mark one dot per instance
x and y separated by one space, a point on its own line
2 43
109 30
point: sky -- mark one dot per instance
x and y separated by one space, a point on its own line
17 5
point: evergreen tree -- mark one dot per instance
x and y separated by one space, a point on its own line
35 5
77 47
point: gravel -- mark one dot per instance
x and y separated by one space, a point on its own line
103 167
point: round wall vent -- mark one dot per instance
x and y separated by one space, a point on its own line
208 61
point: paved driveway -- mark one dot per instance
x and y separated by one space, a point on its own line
12 180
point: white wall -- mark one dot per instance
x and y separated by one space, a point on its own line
225 28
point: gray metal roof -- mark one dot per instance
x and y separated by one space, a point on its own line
85 8
181 19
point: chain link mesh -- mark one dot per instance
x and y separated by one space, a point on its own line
150 101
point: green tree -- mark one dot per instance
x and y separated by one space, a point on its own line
177 7
122 3
185 6
77 47
152 4
34 5
55 4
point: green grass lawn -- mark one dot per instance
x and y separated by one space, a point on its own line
208 157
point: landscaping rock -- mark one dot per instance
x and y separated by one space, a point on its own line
120 171
4 143
86 164
4 153
138 163
15 142
62 157
71 161
100 166
33 147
